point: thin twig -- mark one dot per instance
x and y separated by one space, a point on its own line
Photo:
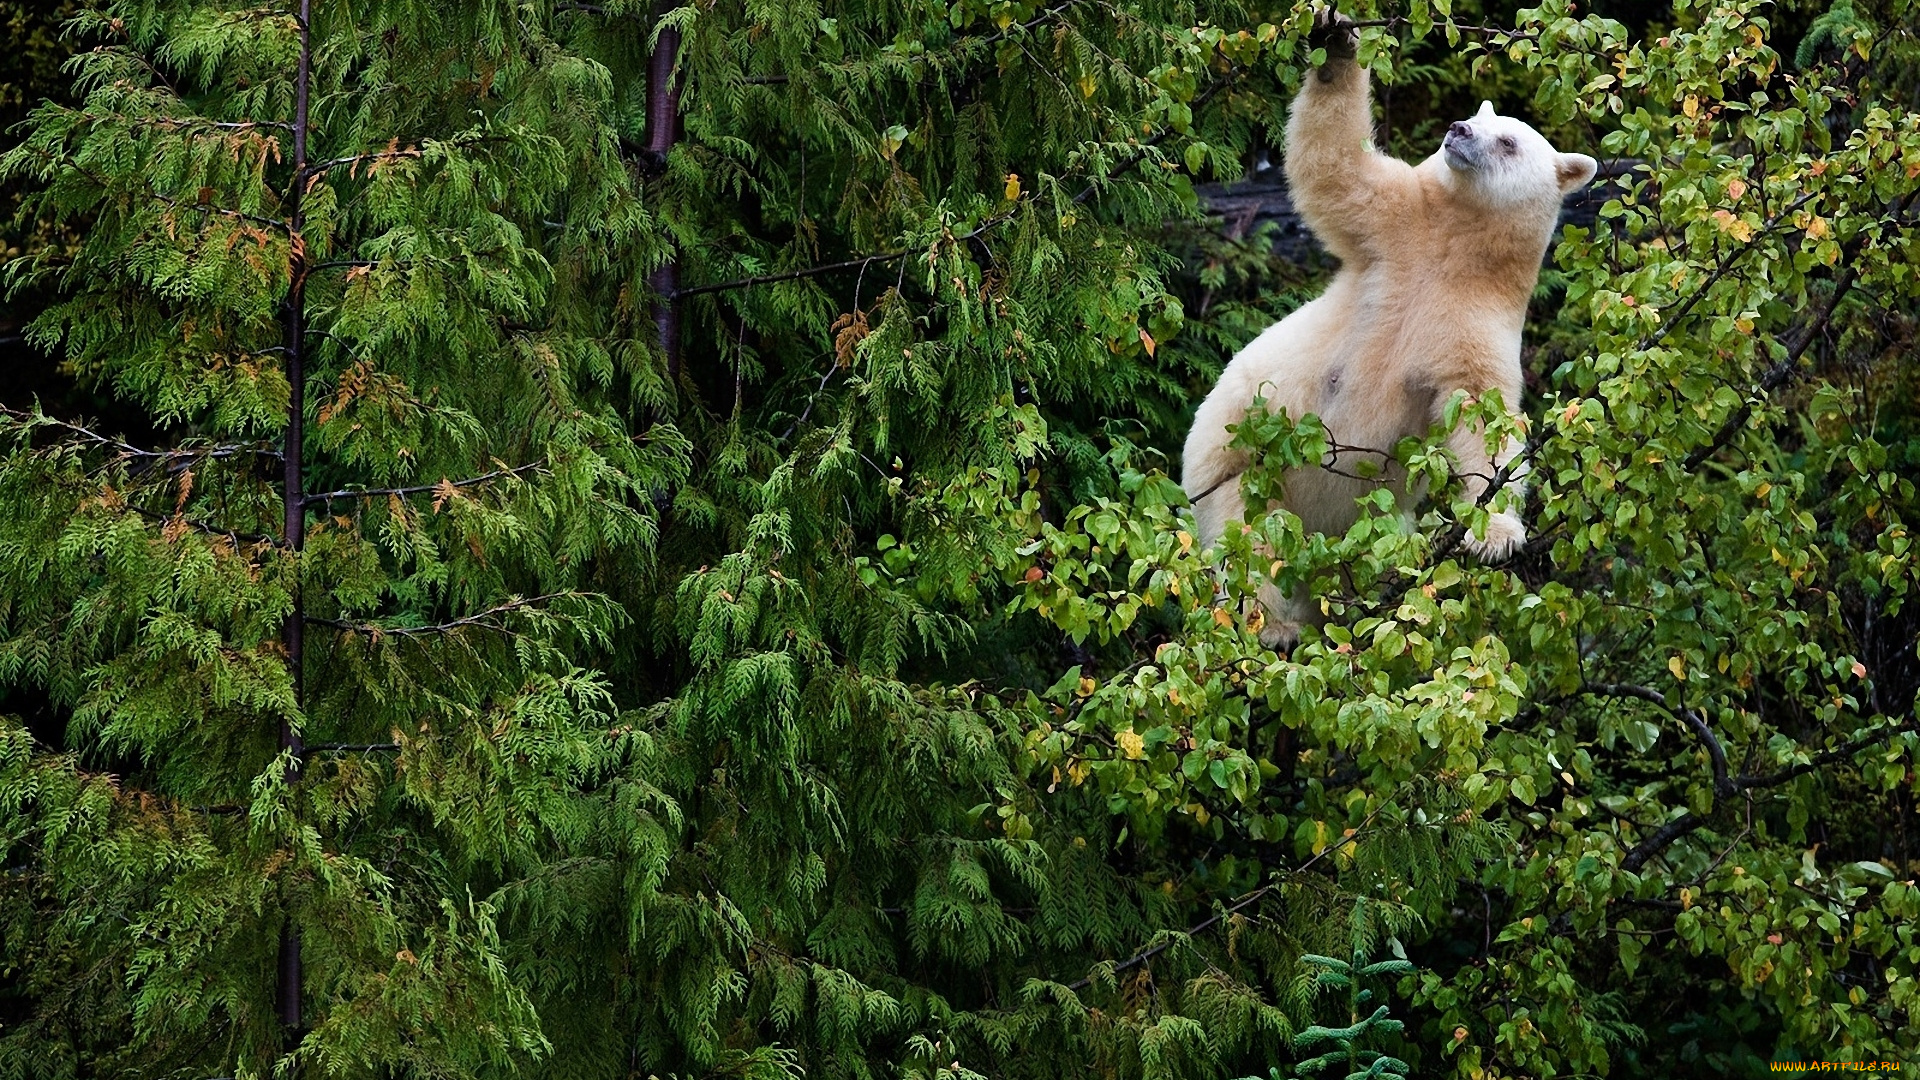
207 527
125 449
1783 372
1141 154
351 748
862 263
421 489
479 618
1247 900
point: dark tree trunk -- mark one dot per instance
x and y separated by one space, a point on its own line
663 129
293 491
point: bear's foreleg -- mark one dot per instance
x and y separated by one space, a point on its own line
1477 469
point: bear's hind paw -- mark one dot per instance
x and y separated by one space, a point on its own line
1280 635
1505 536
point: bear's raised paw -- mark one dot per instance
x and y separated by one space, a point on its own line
1335 33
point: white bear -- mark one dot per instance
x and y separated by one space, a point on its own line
1437 261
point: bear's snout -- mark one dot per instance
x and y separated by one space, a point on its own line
1460 129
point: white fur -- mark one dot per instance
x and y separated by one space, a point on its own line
1437 263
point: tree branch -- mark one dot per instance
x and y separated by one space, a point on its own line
1247 900
1784 371
1661 838
1141 154
128 450
1818 761
1145 955
862 263
1723 786
351 748
1728 259
421 489
1665 835
1495 485
208 527
487 619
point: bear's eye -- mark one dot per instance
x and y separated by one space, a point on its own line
1507 145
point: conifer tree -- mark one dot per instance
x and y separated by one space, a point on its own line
310 636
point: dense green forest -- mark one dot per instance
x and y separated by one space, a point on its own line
633 539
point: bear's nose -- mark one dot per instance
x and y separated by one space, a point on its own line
1460 129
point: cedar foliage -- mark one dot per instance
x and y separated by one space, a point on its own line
734 619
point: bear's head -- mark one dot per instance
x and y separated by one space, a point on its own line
1501 162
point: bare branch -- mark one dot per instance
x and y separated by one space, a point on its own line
861 263
128 450
208 527
1723 786
1822 760
420 489
351 748
1660 839
791 275
1249 899
490 619
1665 835
355 159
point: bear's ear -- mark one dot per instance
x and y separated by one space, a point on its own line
1486 111
1576 171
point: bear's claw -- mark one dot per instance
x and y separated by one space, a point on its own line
1505 536
1335 33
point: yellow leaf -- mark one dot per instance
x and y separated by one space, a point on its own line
1220 617
1146 339
1736 187
1186 540
1087 686
1678 667
1131 744
1013 186
1087 86
1859 670
1691 106
1733 226
1817 228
